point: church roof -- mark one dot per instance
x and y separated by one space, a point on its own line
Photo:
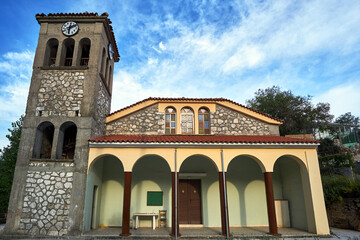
84 15
152 100
201 139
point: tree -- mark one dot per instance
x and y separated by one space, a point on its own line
348 118
8 156
298 113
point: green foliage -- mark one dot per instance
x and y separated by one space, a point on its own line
348 118
299 114
8 156
337 187
329 163
327 147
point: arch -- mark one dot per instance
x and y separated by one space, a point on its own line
170 120
150 173
67 52
110 78
199 175
104 193
258 161
291 183
246 192
106 71
52 46
187 120
84 52
66 141
150 156
103 56
44 140
204 120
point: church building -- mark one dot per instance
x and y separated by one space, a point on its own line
160 162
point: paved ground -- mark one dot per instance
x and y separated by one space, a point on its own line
209 233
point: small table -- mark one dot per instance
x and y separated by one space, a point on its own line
153 215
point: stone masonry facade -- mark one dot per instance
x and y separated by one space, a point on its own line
222 121
60 93
102 110
227 121
145 121
46 203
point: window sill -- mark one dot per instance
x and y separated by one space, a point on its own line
65 68
50 160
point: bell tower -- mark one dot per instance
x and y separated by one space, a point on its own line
69 98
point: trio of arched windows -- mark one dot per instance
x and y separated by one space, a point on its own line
67 52
187 121
44 141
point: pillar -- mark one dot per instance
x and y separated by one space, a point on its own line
223 204
173 205
270 203
126 205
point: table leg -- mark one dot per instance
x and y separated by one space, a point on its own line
153 222
137 222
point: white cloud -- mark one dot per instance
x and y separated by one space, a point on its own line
15 71
161 46
343 98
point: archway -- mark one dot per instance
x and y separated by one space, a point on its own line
199 196
290 181
246 193
104 193
151 188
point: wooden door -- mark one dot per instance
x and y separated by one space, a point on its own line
190 201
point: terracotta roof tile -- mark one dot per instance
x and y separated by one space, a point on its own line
195 99
198 139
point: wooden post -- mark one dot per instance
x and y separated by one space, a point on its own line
270 203
222 205
173 205
126 205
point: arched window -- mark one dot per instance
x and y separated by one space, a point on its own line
103 57
68 52
51 52
106 70
170 120
204 121
43 140
84 51
187 120
67 141
110 77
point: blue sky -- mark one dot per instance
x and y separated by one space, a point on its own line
202 49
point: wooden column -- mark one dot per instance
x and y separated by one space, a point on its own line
126 205
270 203
224 210
173 205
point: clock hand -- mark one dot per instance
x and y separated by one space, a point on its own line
69 28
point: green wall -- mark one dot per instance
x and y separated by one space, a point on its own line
210 193
150 173
246 193
287 179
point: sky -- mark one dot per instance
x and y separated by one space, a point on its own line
204 48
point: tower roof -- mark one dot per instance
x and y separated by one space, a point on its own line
104 17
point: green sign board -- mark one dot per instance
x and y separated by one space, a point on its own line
154 198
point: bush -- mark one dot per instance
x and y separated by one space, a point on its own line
337 187
329 163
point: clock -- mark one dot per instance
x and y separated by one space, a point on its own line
111 51
70 28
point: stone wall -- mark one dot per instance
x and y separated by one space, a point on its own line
145 121
46 203
102 110
60 93
345 214
227 121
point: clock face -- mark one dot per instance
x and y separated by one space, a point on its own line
111 51
70 28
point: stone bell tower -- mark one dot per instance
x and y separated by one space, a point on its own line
69 98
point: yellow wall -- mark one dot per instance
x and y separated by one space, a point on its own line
266 158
